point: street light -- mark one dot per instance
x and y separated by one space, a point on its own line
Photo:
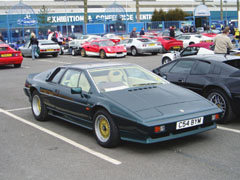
225 1
66 17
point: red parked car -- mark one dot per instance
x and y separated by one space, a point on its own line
9 55
207 45
169 43
103 48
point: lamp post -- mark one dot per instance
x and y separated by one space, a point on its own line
137 11
225 1
221 7
66 17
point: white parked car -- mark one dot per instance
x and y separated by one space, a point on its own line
137 46
189 39
188 51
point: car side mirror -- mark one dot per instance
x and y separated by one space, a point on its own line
77 90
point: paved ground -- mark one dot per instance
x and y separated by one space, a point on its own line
58 150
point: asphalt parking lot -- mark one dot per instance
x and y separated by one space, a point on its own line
59 150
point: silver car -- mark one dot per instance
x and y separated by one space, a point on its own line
137 46
46 47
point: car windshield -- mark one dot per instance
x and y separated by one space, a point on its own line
123 77
106 43
144 40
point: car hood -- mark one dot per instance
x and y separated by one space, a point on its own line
156 101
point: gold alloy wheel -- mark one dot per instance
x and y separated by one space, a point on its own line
83 53
102 128
36 105
102 54
217 99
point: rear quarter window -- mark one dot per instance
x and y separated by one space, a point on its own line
234 63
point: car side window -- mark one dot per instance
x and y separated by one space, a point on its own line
83 83
201 68
57 75
183 66
167 67
71 78
130 41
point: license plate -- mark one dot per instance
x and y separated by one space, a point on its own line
151 44
209 41
6 55
176 47
50 50
189 123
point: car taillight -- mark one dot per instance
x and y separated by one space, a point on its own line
144 45
43 50
56 49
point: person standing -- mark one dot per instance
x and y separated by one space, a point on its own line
60 38
222 42
236 37
142 32
172 32
133 34
34 44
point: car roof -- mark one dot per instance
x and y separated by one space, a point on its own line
212 57
93 65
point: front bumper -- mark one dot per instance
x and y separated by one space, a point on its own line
27 93
146 135
116 54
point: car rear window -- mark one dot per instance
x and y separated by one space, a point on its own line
143 40
47 42
3 48
234 63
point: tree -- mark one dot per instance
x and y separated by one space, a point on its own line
42 19
171 15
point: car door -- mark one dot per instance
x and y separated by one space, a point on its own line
94 48
73 105
26 51
179 72
198 77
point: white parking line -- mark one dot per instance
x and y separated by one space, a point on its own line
19 109
55 61
228 129
69 141
27 67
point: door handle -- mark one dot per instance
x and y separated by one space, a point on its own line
181 80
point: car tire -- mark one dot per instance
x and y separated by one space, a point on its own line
154 53
17 65
55 55
220 98
83 53
105 129
134 51
73 52
38 107
166 60
102 54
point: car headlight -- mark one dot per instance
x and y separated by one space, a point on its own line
109 49
124 48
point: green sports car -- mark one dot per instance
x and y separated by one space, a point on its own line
119 101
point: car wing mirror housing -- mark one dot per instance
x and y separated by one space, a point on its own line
77 90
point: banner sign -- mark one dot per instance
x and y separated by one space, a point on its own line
27 21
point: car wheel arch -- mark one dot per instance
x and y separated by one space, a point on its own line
96 108
210 87
32 89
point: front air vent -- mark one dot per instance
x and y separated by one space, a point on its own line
142 88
